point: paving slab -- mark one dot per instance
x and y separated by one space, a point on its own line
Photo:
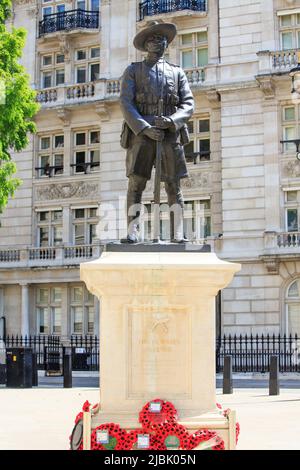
42 418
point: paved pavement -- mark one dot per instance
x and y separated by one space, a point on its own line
42 418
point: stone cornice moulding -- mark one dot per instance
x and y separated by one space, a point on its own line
80 189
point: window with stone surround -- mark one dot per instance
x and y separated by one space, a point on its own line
82 311
289 27
90 5
197 220
49 228
193 50
293 308
85 221
86 151
292 211
50 156
52 66
87 64
290 127
198 149
49 310
52 6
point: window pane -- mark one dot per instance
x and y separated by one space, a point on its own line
292 220
95 5
81 4
92 232
81 75
43 320
93 212
289 114
291 196
187 59
286 20
78 320
90 319
42 296
56 294
44 236
56 312
59 141
45 165
43 216
57 235
79 235
204 147
60 58
47 80
80 138
298 39
45 143
289 134
47 60
60 8
294 319
79 213
190 125
81 55
287 40
293 290
89 297
186 39
95 52
205 204
202 36
47 11
77 294
95 72
59 164
298 18
202 57
60 77
204 125
80 160
95 159
56 215
95 137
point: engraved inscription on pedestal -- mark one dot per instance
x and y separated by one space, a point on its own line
159 352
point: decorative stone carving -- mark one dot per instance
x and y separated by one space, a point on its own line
64 115
102 111
266 84
213 97
65 47
292 169
82 190
196 180
271 263
24 2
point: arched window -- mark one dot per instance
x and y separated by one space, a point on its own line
293 308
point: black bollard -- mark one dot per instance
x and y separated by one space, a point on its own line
227 375
35 380
274 376
67 368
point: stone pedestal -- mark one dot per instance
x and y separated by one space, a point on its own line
157 332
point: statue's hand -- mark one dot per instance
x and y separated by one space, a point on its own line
163 122
153 133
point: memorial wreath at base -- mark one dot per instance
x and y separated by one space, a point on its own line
159 430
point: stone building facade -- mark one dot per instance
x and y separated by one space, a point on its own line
243 194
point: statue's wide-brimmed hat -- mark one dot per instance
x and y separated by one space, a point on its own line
168 30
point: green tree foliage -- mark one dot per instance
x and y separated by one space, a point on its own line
17 103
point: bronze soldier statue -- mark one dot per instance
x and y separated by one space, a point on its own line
144 86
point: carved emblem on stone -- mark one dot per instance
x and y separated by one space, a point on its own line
196 180
67 191
292 169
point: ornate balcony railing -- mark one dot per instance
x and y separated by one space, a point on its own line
156 7
277 62
47 256
68 20
288 240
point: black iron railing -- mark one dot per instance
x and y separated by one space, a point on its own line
156 7
253 353
85 353
68 20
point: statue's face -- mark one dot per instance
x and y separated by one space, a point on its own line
156 43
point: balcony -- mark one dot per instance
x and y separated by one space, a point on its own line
68 21
102 89
277 62
158 7
47 256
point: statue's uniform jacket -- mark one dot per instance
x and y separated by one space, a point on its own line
141 87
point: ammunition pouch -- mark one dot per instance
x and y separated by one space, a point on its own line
184 135
125 135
